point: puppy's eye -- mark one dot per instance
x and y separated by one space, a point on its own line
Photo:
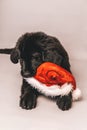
36 56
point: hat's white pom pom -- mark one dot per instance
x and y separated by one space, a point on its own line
76 94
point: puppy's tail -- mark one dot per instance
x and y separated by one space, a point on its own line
6 51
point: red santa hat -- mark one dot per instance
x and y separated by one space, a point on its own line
53 80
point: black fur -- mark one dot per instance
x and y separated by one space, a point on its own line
64 102
28 96
32 49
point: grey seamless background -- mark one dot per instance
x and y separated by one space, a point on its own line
65 19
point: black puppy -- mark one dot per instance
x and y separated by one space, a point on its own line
32 49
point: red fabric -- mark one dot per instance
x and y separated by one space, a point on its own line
51 74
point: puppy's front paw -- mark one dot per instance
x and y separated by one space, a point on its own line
28 102
64 102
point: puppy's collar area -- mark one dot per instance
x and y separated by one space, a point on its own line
54 90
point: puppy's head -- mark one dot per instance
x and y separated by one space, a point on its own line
28 53
34 49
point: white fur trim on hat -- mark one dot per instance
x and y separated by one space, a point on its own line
54 90
76 94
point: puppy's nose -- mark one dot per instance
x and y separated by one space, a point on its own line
26 74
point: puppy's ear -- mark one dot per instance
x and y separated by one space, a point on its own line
18 51
15 55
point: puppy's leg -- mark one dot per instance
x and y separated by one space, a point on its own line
28 98
64 102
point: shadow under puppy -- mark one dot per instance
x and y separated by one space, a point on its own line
31 50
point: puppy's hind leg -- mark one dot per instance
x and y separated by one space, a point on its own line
28 98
